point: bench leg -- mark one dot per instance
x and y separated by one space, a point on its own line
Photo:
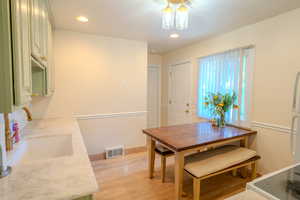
196 188
253 170
234 172
163 168
244 172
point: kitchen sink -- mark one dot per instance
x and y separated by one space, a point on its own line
48 147
41 148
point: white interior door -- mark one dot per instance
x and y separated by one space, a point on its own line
179 108
153 97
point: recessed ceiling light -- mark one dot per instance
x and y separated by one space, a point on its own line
82 19
174 35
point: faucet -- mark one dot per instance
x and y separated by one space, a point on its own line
27 111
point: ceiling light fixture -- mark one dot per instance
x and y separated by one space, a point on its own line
182 17
174 35
176 14
82 19
168 17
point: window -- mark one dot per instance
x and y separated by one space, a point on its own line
227 72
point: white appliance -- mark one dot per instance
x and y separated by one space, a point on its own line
285 183
295 127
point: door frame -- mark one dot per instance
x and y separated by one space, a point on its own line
158 67
190 89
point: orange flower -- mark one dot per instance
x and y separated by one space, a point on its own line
236 107
221 104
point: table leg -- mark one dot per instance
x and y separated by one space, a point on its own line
151 155
179 165
244 142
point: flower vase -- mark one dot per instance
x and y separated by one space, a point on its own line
221 121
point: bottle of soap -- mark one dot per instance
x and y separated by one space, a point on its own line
16 132
11 126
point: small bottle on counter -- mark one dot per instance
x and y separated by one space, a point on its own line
16 132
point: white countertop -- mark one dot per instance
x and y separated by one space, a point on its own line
247 195
62 178
278 179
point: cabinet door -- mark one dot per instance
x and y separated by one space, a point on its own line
6 83
39 30
50 65
35 28
20 15
43 31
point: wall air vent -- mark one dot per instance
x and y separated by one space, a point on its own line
114 152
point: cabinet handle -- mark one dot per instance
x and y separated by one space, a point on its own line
296 91
293 134
44 58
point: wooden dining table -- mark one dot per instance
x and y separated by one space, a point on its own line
188 138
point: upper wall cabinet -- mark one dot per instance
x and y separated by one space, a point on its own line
39 30
6 64
25 35
50 64
15 63
41 45
36 41
21 51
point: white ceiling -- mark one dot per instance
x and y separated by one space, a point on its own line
141 19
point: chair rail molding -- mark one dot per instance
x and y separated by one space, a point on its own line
109 115
274 127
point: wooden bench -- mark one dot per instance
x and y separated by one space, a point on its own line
220 160
164 154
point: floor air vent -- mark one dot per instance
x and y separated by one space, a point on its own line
114 152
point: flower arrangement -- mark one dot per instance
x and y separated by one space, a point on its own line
219 104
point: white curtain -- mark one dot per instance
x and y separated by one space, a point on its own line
220 73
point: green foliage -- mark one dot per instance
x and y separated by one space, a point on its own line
219 103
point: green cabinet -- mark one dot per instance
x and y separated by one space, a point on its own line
36 40
15 79
6 65
20 18
25 36
41 45
50 70
39 30
90 197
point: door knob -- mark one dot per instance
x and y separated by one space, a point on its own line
187 111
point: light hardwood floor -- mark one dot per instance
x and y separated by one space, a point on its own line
127 179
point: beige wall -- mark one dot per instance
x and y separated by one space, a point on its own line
99 75
154 59
277 45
